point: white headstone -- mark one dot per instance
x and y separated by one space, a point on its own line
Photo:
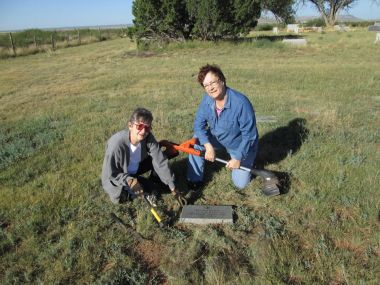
297 42
341 28
375 27
292 28
377 38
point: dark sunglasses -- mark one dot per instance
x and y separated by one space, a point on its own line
141 126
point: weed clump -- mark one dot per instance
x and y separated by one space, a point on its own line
25 139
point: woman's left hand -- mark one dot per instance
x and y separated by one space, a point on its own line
233 164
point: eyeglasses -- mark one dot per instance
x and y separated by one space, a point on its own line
211 84
141 126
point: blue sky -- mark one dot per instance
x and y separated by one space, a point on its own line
26 14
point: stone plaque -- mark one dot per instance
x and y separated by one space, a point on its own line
297 42
204 214
374 28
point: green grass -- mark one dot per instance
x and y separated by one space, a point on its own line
57 110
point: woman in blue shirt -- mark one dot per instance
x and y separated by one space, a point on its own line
225 119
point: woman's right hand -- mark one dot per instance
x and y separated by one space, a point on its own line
135 186
210 152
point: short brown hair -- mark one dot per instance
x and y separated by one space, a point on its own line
210 68
141 114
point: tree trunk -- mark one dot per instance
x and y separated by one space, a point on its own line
326 19
333 13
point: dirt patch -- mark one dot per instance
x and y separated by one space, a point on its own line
149 254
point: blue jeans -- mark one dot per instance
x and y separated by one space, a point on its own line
240 178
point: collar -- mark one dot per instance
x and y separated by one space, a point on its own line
143 144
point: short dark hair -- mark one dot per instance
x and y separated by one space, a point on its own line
210 68
141 114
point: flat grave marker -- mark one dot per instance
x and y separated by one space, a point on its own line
297 42
206 214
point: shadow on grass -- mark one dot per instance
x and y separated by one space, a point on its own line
271 38
280 143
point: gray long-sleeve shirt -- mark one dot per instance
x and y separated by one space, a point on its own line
115 164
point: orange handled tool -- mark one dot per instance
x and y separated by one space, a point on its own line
172 148
270 181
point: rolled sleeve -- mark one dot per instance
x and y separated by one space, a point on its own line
160 162
247 122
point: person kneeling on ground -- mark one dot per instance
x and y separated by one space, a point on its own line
225 120
130 153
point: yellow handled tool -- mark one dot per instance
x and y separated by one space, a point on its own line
154 213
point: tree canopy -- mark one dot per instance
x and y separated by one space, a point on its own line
202 19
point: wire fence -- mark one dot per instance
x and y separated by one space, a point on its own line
35 40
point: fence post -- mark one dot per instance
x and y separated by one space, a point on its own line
34 40
79 41
52 42
12 43
100 34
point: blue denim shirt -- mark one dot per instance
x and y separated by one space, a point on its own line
235 128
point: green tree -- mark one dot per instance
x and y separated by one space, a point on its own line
202 19
281 9
329 9
161 19
212 19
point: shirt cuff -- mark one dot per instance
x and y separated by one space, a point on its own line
171 185
203 141
237 156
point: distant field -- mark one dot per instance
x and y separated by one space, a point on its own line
57 109
35 40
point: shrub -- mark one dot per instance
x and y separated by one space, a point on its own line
319 22
265 27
